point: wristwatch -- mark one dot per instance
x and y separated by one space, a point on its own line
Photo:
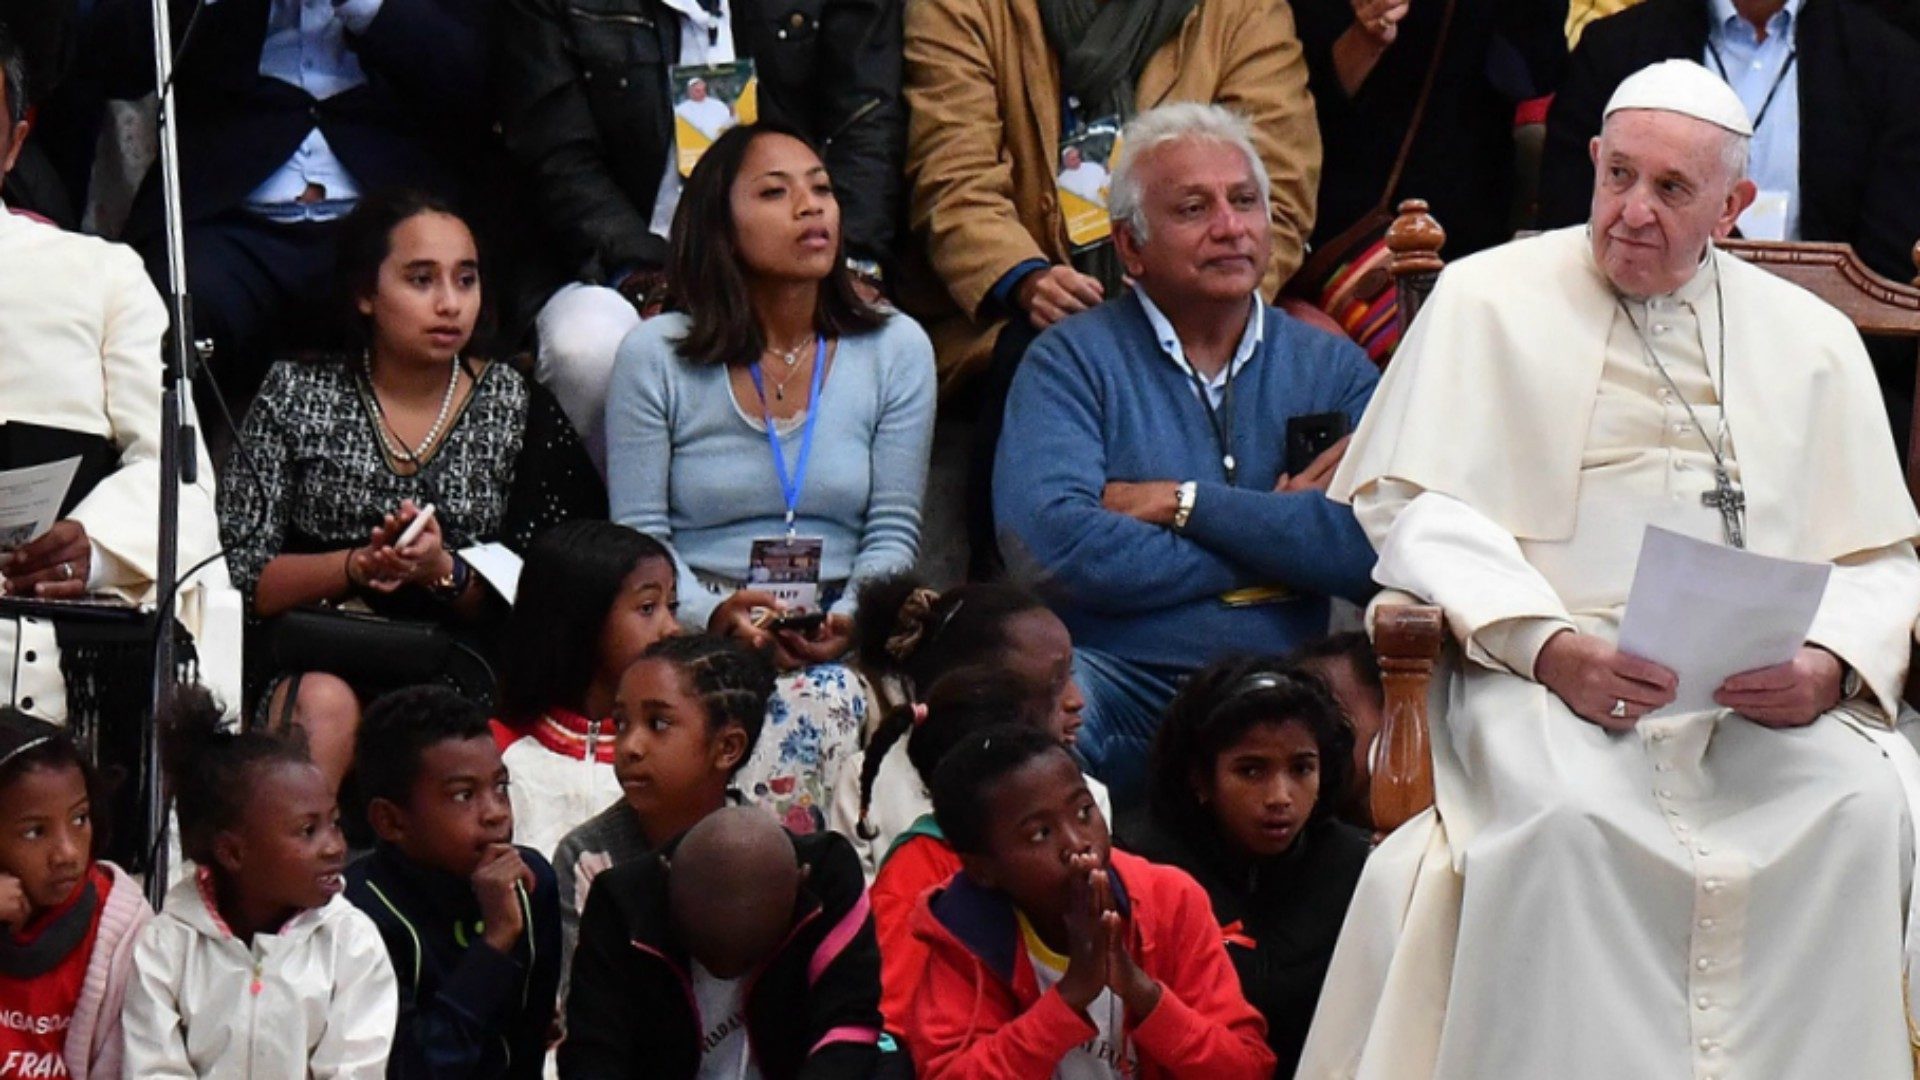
450 587
1183 497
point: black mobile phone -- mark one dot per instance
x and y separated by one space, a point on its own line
1309 436
800 622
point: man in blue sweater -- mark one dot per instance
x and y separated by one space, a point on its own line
1142 475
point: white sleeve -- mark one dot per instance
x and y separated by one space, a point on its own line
1500 608
151 1024
364 1010
1866 619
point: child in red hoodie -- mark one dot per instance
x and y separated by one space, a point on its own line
1052 955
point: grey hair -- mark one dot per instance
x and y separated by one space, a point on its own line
1733 155
1166 124
13 65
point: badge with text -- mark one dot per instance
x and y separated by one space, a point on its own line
787 568
1086 163
707 100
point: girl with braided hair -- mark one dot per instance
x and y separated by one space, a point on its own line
913 637
686 717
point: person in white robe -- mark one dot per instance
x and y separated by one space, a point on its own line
1600 892
1087 179
709 115
80 338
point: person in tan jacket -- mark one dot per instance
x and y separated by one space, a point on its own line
990 98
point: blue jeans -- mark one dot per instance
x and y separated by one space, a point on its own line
1125 703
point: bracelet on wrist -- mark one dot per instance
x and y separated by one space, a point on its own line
451 586
353 584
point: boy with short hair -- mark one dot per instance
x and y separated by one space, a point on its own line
737 951
471 921
1052 955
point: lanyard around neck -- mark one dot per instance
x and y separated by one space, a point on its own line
790 484
1779 77
1220 420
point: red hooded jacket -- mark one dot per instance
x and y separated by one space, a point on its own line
978 1011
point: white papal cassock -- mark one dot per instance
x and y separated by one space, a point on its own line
1702 897
80 335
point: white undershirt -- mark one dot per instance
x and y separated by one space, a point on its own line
725 1052
1106 1056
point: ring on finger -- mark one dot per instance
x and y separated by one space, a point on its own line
1619 710
66 571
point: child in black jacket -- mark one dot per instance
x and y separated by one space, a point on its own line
471 921
739 943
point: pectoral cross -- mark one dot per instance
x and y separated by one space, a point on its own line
1727 498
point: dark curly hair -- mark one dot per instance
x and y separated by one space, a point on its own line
734 683
572 576
211 770
977 763
399 727
905 628
1216 708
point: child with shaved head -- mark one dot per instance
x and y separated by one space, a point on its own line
738 951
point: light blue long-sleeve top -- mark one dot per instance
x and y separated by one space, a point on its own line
687 465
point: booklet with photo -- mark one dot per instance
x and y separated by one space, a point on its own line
1086 168
707 100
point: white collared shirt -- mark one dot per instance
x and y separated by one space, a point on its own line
1250 340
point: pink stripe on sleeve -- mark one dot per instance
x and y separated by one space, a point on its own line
838 938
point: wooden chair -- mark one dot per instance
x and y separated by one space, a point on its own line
1408 637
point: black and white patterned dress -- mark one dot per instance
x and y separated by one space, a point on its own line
314 476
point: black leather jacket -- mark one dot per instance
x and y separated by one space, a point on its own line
586 113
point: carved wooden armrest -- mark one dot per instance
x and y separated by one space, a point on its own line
1407 638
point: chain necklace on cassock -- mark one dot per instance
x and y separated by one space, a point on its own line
1727 497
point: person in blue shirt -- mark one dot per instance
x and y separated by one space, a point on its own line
1140 481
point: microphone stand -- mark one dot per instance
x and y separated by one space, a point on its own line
179 461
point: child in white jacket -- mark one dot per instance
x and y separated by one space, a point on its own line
257 967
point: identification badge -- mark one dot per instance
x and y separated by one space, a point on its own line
1766 219
707 100
1086 163
788 569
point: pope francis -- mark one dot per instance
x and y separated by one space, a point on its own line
1599 892
80 333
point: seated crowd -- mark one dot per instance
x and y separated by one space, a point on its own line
576 692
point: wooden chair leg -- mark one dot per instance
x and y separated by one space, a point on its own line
1407 639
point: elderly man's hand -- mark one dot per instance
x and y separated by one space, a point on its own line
1793 694
1049 295
1317 476
54 565
1154 502
1600 683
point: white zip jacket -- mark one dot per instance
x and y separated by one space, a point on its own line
318 999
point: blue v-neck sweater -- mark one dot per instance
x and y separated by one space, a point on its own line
1096 400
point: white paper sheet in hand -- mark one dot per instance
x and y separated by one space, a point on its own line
30 500
1705 612
498 564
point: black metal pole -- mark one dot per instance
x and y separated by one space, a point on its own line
179 459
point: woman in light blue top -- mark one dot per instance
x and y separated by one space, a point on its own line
774 335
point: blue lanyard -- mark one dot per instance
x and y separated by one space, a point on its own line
790 485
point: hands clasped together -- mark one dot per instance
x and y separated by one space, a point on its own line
1097 956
